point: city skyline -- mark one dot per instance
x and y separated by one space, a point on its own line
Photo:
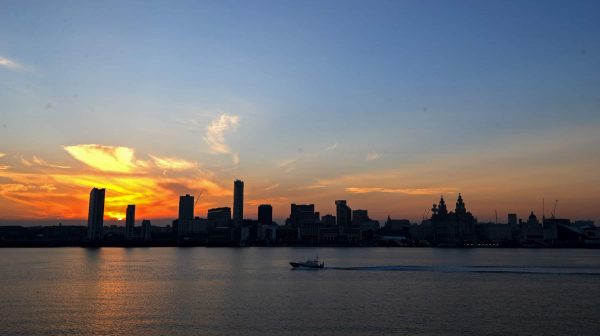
306 226
385 105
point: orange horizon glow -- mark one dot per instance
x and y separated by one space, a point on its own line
40 190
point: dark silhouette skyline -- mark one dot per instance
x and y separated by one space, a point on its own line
306 226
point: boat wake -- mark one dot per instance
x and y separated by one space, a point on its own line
476 269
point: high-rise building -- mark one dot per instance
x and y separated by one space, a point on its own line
343 213
186 208
129 221
146 230
360 216
265 214
302 214
238 203
96 214
220 216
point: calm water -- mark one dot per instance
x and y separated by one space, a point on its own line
252 291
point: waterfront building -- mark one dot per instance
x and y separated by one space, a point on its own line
360 216
265 214
129 221
146 230
96 214
238 203
531 232
220 216
186 208
453 228
343 213
301 213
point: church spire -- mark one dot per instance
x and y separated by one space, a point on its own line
442 210
461 208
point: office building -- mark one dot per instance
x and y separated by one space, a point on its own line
186 208
96 214
343 213
360 216
220 216
146 230
265 214
129 221
301 214
238 203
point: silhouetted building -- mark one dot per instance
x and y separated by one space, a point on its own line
532 233
343 213
583 223
300 214
186 208
453 228
146 230
266 229
493 233
129 221
328 220
96 214
265 214
220 216
513 223
512 219
238 203
360 216
397 227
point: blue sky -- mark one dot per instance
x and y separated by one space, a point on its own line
322 90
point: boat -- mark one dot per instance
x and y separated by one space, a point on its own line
308 264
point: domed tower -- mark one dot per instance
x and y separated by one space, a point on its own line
434 209
461 208
532 219
442 209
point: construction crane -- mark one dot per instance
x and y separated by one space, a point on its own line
197 199
554 211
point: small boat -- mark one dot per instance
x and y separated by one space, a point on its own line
308 264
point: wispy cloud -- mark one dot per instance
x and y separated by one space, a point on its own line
2 155
167 163
406 191
372 156
215 134
4 167
235 157
287 165
272 187
10 64
106 158
35 161
317 185
331 147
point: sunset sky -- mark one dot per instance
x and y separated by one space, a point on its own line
388 104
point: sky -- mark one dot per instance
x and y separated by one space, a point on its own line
387 104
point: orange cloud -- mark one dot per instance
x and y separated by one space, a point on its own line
35 161
50 193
